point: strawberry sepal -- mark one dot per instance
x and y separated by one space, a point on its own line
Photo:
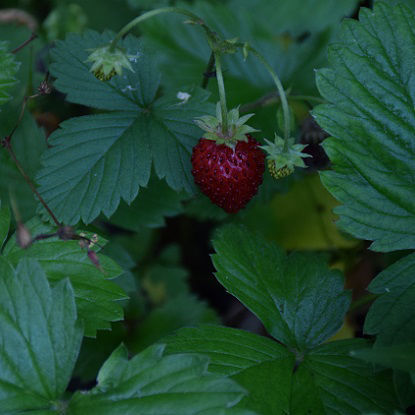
106 62
236 131
282 160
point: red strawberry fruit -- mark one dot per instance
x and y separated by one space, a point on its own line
228 169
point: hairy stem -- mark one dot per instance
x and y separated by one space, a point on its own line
209 70
25 43
25 99
8 147
281 93
310 98
222 93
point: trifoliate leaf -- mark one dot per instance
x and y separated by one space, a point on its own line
298 299
97 297
8 69
151 383
370 89
40 339
391 316
330 381
262 366
325 381
97 160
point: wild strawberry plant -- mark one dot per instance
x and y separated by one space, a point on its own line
97 315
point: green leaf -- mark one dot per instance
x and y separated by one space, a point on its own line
299 300
391 316
28 144
97 298
4 223
151 383
370 89
8 71
182 311
99 159
294 16
95 351
40 338
325 381
262 366
330 381
127 280
151 206
397 356
124 93
276 29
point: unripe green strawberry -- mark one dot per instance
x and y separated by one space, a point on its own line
283 157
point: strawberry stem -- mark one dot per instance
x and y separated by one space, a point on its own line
222 93
195 19
281 93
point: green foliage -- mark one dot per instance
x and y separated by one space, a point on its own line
40 338
118 148
260 365
400 356
122 165
292 296
326 380
370 89
40 324
151 383
391 315
274 28
330 381
151 206
97 297
8 71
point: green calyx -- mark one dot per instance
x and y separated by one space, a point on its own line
236 127
281 158
106 63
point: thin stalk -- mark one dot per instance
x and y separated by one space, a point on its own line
362 301
281 92
153 13
209 70
30 183
307 98
222 93
22 110
26 42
